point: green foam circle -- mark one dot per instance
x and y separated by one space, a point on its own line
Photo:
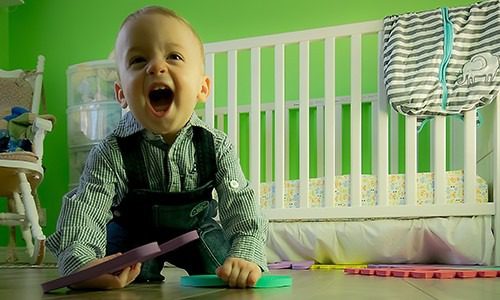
266 281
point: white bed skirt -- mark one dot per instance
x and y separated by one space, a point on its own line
451 240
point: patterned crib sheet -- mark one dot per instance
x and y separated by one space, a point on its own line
425 190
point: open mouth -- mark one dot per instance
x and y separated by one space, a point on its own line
161 98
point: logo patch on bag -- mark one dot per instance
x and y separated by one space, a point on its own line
199 208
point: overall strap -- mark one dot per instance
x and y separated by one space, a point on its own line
205 154
133 160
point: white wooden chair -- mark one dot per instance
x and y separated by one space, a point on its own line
21 171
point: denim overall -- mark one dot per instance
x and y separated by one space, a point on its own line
144 215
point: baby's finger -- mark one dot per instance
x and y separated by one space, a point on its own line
242 278
233 277
123 277
224 271
134 272
253 277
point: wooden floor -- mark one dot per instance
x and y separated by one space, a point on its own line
24 284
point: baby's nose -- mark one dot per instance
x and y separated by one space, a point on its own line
157 67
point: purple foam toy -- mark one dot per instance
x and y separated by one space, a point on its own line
129 258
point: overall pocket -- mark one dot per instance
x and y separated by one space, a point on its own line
180 217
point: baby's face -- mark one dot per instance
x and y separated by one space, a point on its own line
161 72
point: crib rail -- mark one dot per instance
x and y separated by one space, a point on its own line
270 124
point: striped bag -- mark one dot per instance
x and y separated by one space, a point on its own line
444 61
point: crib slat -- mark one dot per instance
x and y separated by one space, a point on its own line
330 119
456 144
394 140
496 175
287 140
255 156
338 138
220 121
470 156
210 103
232 94
269 145
355 189
320 142
304 123
411 160
380 133
439 159
279 111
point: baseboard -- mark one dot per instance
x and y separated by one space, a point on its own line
23 257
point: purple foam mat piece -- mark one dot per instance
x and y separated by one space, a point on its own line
302 265
120 262
129 258
295 265
280 265
179 241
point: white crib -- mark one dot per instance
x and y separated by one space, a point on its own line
246 71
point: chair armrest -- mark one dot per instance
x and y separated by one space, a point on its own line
43 123
40 127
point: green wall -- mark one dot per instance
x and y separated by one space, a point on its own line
70 32
4 40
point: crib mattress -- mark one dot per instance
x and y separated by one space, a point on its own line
439 240
425 194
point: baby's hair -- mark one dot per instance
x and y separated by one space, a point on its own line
166 12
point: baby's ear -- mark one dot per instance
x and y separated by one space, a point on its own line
204 89
119 95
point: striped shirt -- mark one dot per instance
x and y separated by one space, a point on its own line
81 228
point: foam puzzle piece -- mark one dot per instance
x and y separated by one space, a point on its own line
437 266
302 265
337 267
488 273
425 272
129 258
299 265
266 281
383 272
280 265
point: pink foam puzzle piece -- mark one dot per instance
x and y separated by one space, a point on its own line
351 270
383 272
445 274
466 273
427 272
422 274
367 271
488 273
401 273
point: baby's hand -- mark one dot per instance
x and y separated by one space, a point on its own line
238 272
109 281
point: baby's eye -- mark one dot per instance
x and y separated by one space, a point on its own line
174 56
136 60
